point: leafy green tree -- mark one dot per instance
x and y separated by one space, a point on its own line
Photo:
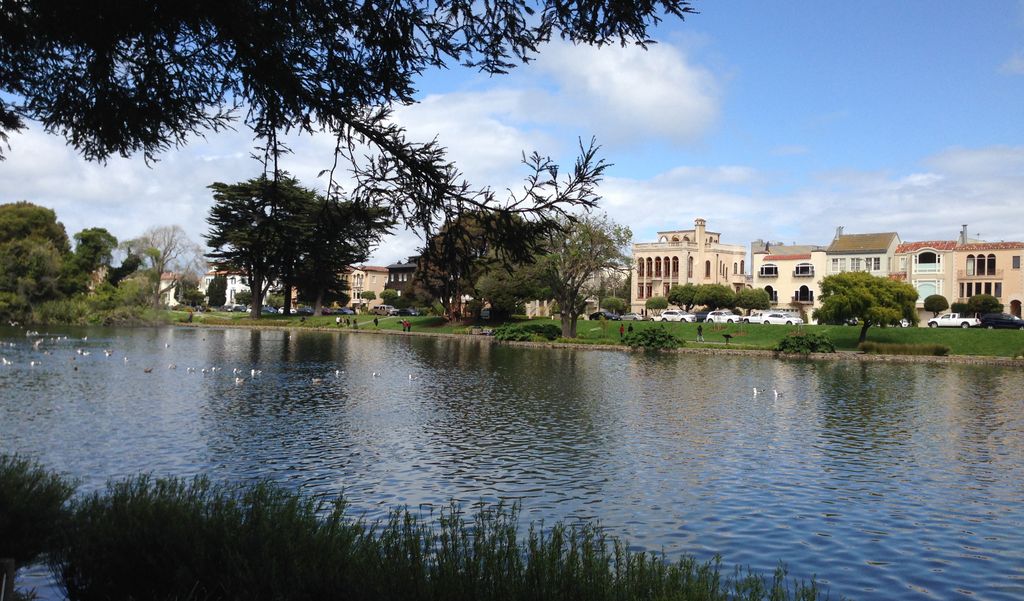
682 296
368 295
129 266
188 292
249 228
217 291
714 296
753 298
577 251
984 303
388 296
506 290
23 220
244 297
167 250
656 304
614 304
936 303
94 249
872 300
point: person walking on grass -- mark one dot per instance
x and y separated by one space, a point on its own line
700 333
622 331
375 322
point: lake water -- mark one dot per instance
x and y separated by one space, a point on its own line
885 481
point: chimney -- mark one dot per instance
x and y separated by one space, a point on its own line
839 232
963 234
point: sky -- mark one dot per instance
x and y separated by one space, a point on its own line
776 121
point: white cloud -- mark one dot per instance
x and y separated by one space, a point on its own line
628 93
1014 65
983 187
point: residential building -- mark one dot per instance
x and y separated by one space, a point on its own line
400 275
928 266
236 282
873 253
362 278
989 268
790 274
694 256
168 289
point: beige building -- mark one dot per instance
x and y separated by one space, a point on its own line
990 268
790 275
361 278
873 253
694 256
928 266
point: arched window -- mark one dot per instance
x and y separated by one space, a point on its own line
772 294
675 238
667 263
657 267
803 270
650 267
675 266
970 264
742 268
926 289
769 270
686 239
734 266
804 295
689 267
707 269
991 264
640 268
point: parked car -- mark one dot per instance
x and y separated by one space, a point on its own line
632 317
674 315
408 312
268 310
701 316
345 311
722 316
1002 320
779 318
383 310
954 320
606 314
903 323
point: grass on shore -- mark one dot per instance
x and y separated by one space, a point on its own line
148 538
993 343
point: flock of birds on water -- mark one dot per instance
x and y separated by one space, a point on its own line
238 374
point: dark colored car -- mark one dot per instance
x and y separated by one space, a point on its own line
408 312
345 311
1002 320
701 317
606 314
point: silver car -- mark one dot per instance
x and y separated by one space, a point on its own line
632 317
674 315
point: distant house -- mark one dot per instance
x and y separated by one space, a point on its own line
790 274
362 278
236 282
169 289
401 274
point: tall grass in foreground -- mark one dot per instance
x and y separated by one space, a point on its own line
33 508
888 348
148 538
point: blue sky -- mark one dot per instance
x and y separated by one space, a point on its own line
771 120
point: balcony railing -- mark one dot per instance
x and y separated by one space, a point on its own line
763 274
990 275
803 273
928 268
803 300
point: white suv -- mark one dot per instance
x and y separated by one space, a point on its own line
673 315
723 316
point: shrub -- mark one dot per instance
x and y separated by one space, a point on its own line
172 539
652 338
546 329
74 311
13 307
33 508
512 333
888 348
806 342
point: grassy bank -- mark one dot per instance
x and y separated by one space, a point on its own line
147 538
974 342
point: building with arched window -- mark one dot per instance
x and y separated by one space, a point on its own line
694 256
789 274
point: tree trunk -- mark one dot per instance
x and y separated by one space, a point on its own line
864 331
318 304
567 325
287 308
256 287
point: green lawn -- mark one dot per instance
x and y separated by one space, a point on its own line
998 343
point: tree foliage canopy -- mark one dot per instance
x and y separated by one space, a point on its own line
753 298
983 304
936 303
871 299
714 296
682 296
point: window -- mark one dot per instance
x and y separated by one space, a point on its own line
803 269
665 288
926 289
689 267
877 263
707 269
640 291
675 266
838 265
855 264
772 294
962 291
998 292
657 267
769 270
743 269
991 264
1016 262
650 267
988 287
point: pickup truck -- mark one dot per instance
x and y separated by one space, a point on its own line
954 320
